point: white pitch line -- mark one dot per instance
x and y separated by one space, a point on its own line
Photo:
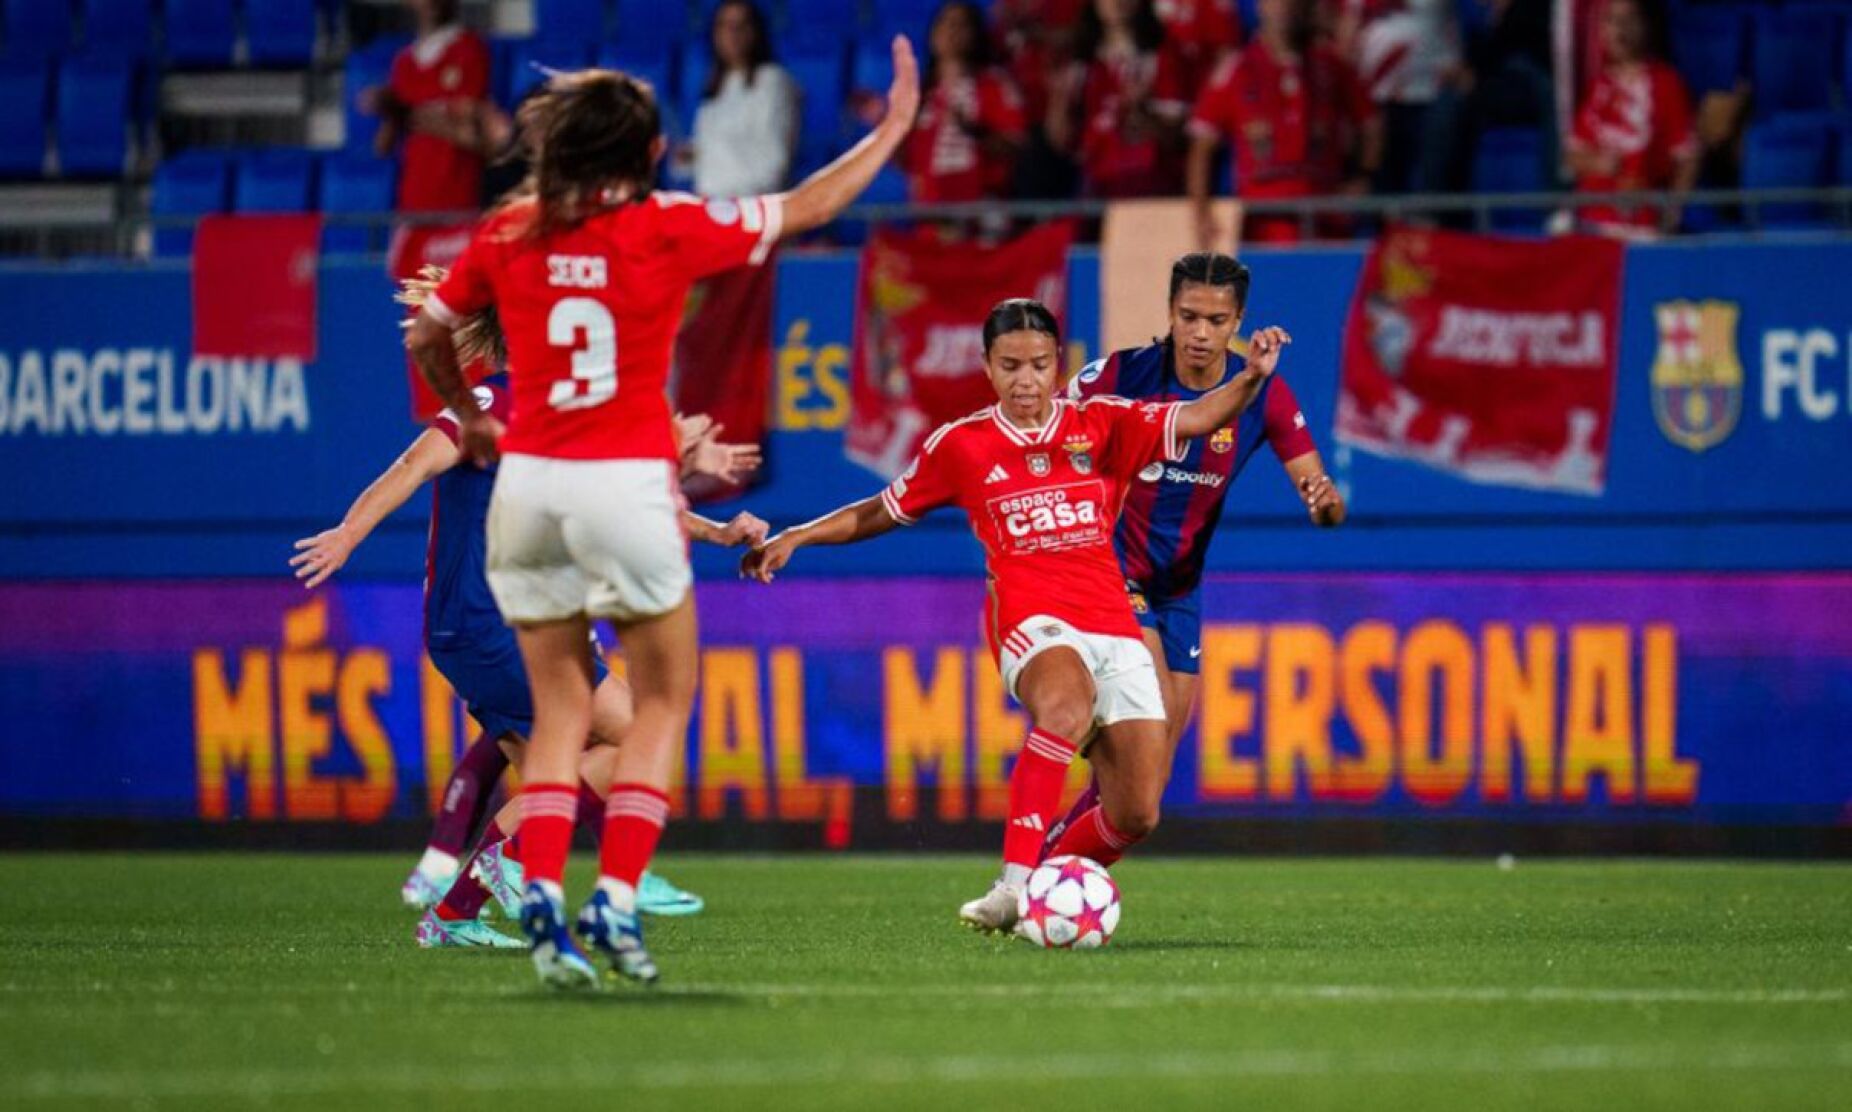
1106 994
894 1070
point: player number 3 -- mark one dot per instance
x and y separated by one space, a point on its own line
585 326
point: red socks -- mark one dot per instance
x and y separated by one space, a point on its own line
1092 836
547 811
1035 792
633 822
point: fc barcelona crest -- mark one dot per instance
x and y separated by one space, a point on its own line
1697 377
1038 464
1222 441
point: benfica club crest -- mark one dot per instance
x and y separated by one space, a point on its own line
1038 464
1222 441
1697 377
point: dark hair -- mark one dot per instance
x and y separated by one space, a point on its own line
1147 31
1210 268
1019 314
758 55
977 60
1654 39
585 132
446 12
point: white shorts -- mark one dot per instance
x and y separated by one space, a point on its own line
1125 683
596 537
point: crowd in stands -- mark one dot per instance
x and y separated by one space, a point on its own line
1269 100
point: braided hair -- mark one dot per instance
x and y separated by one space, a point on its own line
1019 314
1210 268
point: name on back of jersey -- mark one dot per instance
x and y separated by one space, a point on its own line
1050 518
576 272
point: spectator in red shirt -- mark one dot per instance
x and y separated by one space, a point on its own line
1120 106
436 110
1202 32
1408 54
1633 131
970 124
1298 120
1035 41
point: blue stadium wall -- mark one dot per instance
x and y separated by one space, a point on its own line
1460 665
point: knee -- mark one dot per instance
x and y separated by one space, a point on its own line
1136 820
1069 719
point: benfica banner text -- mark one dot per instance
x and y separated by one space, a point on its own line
1661 699
1493 359
919 346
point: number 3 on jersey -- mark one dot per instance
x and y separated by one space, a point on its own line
586 327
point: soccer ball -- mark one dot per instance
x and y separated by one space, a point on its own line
1070 903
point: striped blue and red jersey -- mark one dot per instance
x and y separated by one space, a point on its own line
457 602
1172 509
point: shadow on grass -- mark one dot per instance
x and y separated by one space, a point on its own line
629 997
1173 945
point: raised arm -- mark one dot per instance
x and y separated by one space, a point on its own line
858 521
830 190
1221 405
323 554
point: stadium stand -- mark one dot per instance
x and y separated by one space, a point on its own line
1709 45
279 32
37 28
575 20
1788 152
354 183
25 88
192 183
201 34
123 25
366 68
524 63
1510 160
1794 61
280 180
95 114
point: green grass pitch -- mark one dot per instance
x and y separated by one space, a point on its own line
201 981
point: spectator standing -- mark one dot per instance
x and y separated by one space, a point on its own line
1202 33
970 124
436 112
1120 106
1407 53
1634 129
1296 117
1035 41
746 129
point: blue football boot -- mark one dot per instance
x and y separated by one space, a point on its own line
619 936
556 959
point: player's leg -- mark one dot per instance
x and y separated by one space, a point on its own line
1179 662
1132 756
466 799
613 710
1150 621
456 919
1051 679
662 652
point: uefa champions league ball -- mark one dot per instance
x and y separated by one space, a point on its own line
1070 903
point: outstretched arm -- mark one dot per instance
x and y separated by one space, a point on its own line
323 554
858 521
1316 490
830 190
1224 403
745 528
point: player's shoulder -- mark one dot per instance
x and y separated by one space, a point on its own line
971 428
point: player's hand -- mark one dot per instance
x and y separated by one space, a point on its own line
1321 497
479 437
730 463
745 528
768 559
903 93
321 555
1264 349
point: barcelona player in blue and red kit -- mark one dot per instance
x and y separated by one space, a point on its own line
1171 512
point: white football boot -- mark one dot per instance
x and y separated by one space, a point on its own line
993 912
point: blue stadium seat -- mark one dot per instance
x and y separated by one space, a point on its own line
25 89
810 25
352 183
1794 59
1510 160
820 77
1709 44
653 68
37 28
1842 155
280 32
368 67
1788 152
651 25
697 62
580 20
871 67
279 180
912 18
192 183
200 33
125 25
523 57
95 97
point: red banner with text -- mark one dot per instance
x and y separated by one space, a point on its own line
919 350
1493 359
723 360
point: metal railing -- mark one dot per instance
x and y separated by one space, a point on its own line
1727 211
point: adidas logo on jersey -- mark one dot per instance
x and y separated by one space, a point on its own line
997 475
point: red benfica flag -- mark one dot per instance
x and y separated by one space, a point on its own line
413 247
919 348
254 280
723 360
1493 359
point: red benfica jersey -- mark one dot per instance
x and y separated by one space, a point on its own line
1203 31
1043 503
590 314
1641 116
450 66
945 162
1120 159
1291 124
